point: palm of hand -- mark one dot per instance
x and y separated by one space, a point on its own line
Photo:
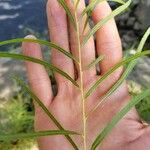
68 111
129 134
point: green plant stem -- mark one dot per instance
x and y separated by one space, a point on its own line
76 4
81 83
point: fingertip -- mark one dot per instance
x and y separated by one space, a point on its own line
101 11
31 48
28 37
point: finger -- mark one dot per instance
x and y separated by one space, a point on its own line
37 75
108 42
88 50
57 22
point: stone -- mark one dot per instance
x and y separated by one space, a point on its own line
130 21
137 26
9 68
141 73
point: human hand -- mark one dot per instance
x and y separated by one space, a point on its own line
130 133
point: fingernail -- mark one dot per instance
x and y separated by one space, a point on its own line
30 37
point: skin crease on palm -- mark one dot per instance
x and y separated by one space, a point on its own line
130 133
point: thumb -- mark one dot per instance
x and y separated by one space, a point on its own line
143 142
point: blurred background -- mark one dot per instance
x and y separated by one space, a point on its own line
19 18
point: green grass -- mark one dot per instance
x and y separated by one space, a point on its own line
16 115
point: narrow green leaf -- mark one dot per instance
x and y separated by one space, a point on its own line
42 42
94 3
38 61
118 1
125 74
68 12
88 10
95 62
113 69
18 136
116 12
85 24
47 112
144 38
118 117
76 4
